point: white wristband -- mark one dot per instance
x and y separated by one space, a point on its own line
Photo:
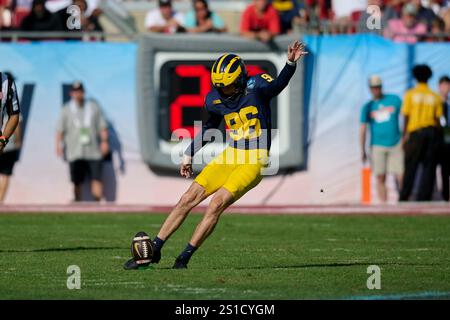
291 63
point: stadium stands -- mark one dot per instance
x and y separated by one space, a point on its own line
126 17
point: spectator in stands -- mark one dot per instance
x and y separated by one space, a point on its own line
290 13
39 19
82 132
89 20
424 15
444 90
396 5
438 30
2 9
312 15
445 15
322 8
56 5
87 23
407 29
386 11
201 19
93 9
422 137
381 115
260 21
436 5
5 14
164 19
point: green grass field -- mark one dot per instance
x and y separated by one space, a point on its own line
247 257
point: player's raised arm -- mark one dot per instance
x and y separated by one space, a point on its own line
295 51
197 143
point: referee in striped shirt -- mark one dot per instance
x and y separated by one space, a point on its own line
9 104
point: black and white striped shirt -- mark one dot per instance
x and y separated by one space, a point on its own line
9 102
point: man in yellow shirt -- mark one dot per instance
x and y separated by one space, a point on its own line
422 137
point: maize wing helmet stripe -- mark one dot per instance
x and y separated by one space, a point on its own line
226 62
226 70
219 64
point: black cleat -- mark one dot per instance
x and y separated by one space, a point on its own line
134 265
179 264
131 265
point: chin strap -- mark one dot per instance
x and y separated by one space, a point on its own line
235 96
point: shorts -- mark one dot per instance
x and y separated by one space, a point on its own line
81 169
236 170
7 162
387 160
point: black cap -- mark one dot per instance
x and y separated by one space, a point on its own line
77 85
165 3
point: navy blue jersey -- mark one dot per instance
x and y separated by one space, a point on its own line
248 119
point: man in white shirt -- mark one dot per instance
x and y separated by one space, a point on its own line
164 19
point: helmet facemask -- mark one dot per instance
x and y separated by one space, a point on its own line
235 90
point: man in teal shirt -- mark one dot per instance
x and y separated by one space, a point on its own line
381 115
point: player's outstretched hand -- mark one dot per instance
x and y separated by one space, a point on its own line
186 167
296 50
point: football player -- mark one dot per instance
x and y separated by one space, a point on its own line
244 103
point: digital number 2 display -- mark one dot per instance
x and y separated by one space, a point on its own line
183 87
